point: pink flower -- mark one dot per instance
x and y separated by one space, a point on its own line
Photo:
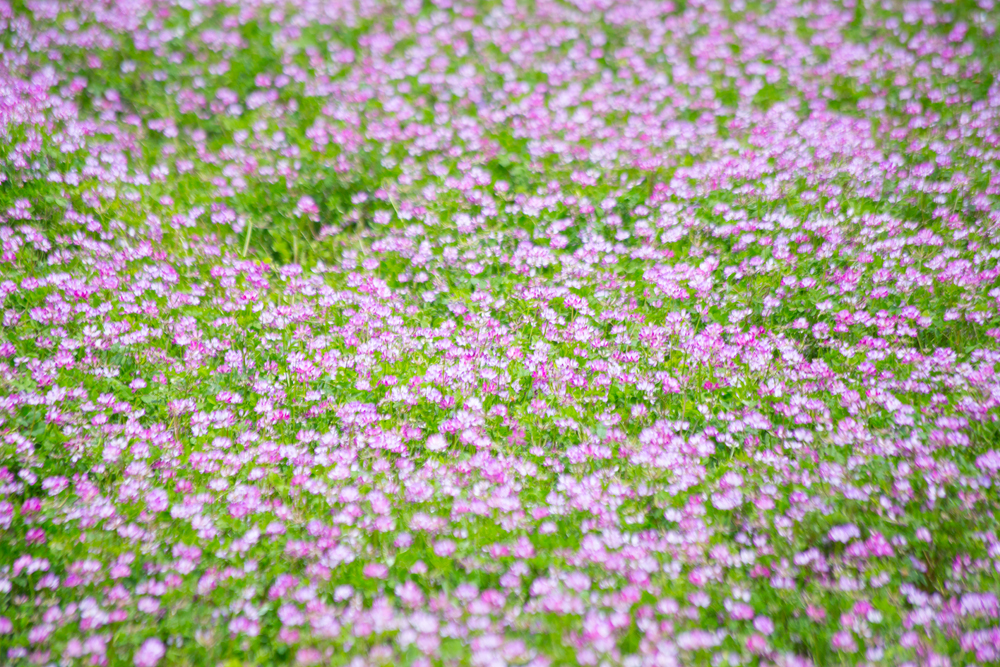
148 605
306 206
436 443
308 656
844 533
444 548
150 653
815 613
728 499
376 571
844 641
764 625
288 635
756 644
989 461
878 546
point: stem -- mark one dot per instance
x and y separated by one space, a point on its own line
246 242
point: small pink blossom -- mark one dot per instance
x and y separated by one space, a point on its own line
444 548
376 571
764 625
307 207
756 644
150 653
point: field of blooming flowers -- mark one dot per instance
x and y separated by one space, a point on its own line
533 332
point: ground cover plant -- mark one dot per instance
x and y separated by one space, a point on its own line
533 332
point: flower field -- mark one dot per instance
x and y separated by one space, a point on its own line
507 332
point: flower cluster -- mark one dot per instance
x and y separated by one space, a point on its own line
639 333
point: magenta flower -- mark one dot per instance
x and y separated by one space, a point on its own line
376 571
844 641
307 207
756 644
444 548
844 533
150 653
990 461
764 625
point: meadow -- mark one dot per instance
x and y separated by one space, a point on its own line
527 332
